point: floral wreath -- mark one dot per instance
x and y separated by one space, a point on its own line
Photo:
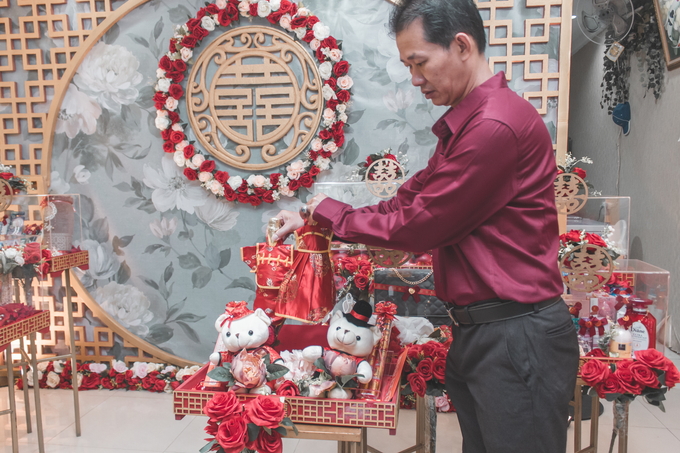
332 68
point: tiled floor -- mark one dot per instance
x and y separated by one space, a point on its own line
136 422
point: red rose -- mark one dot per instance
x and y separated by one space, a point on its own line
192 23
430 348
425 368
343 96
418 384
439 369
174 117
349 264
147 383
165 134
120 380
259 191
332 103
173 46
232 434
329 42
222 177
581 173
268 196
165 63
595 239
314 170
244 187
242 198
189 41
32 253
650 357
107 383
179 65
270 443
361 281
200 32
176 136
644 375
222 405
212 9
190 174
672 375
288 388
298 22
594 371
340 68
159 386
274 178
609 385
189 151
207 165
332 82
319 54
254 200
169 147
325 134
175 384
311 21
229 193
285 6
158 97
232 10
572 236
90 382
306 180
274 17
627 382
340 140
265 411
201 14
597 352
309 36
223 18
294 185
253 9
175 91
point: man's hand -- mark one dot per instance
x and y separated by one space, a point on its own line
313 203
291 221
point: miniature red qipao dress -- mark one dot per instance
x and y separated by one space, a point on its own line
270 264
307 293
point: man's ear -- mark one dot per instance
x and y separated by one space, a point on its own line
465 45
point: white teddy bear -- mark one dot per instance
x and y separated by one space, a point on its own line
351 340
245 336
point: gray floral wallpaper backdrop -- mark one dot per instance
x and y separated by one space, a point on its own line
165 254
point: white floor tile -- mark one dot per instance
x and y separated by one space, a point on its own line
315 446
191 438
676 433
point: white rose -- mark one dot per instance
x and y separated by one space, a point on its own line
179 159
221 4
208 23
80 379
186 53
330 147
244 7
263 8
321 31
235 182
303 12
286 192
191 165
197 160
52 379
11 253
329 115
177 127
205 176
171 103
98 367
328 92
42 366
325 70
150 367
164 84
193 370
171 368
58 366
317 144
162 121
139 370
181 145
119 366
160 73
323 163
257 180
20 259
314 44
300 32
335 54
215 187
284 22
341 108
345 82
342 117
275 4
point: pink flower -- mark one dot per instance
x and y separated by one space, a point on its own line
249 370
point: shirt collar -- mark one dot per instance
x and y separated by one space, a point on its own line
456 116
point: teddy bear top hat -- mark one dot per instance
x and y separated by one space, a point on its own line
360 314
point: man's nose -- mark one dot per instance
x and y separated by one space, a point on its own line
417 79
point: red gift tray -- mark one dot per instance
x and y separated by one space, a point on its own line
300 409
23 327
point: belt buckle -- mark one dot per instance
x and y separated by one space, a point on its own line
453 318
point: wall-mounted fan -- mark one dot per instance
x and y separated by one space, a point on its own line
604 21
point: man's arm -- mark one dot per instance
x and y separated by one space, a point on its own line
469 185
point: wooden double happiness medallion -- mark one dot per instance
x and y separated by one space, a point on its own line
571 193
253 87
587 268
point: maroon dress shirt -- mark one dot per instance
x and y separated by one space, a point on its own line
485 203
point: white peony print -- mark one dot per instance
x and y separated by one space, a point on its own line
127 304
172 189
78 113
218 214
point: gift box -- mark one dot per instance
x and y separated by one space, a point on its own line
411 289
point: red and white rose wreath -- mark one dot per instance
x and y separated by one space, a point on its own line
336 92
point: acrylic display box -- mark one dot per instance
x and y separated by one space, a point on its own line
600 212
354 193
189 399
645 281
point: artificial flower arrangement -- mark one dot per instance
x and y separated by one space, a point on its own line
11 313
575 239
254 426
426 364
336 93
570 165
30 257
354 275
17 184
153 377
359 174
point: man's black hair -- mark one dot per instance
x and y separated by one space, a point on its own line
442 20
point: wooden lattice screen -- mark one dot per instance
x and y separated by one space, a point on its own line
27 126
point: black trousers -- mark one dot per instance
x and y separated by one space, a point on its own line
511 382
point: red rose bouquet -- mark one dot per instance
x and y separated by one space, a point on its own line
425 370
256 426
354 275
570 165
574 239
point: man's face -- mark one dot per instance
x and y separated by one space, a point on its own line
439 73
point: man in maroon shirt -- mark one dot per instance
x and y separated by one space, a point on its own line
485 206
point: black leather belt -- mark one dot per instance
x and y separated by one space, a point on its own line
485 312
